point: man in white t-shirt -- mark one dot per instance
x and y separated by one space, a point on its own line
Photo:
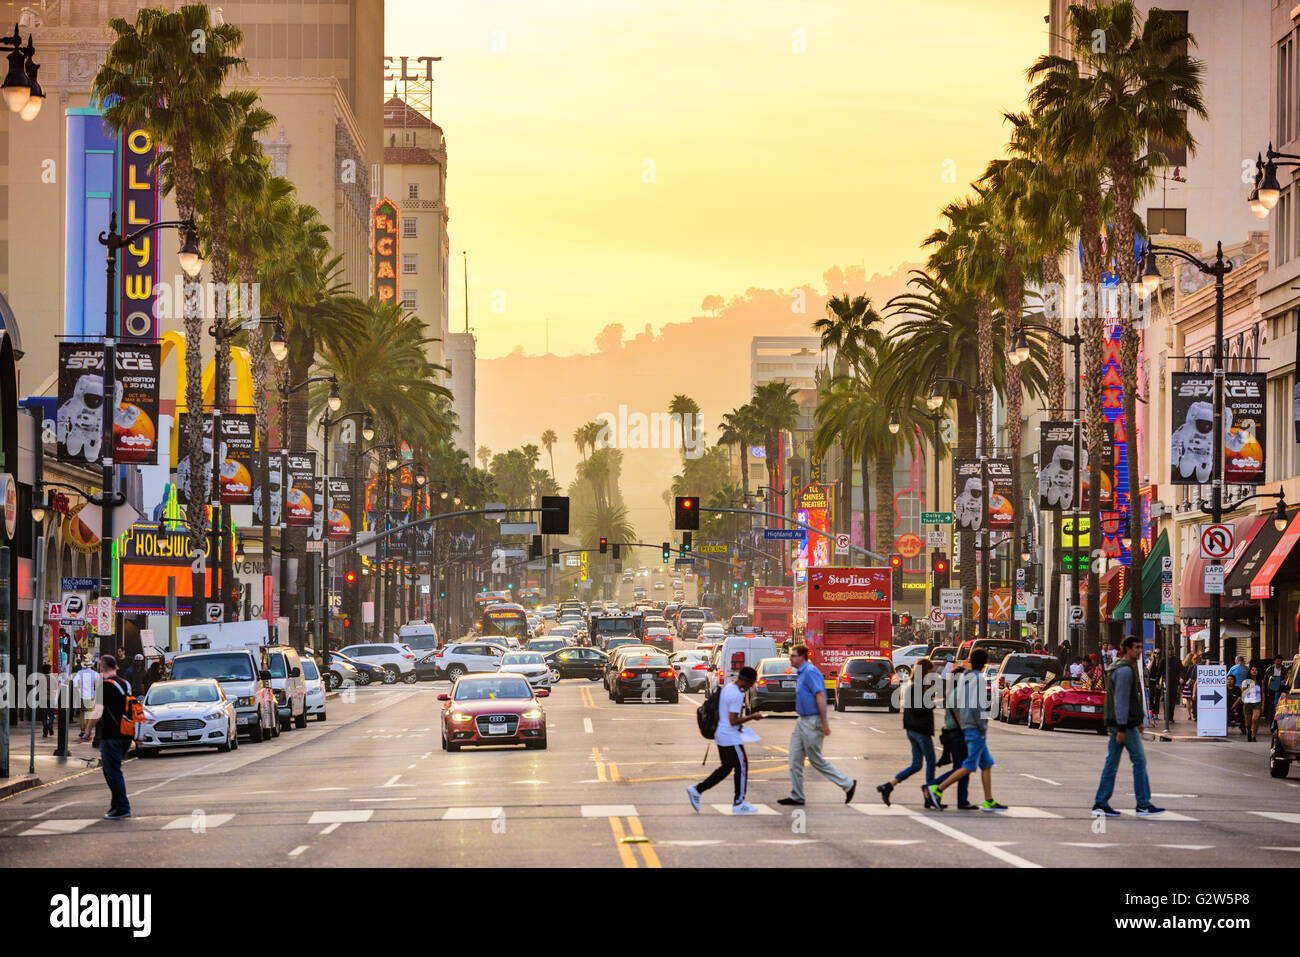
86 681
731 705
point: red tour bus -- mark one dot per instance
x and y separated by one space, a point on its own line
774 611
849 613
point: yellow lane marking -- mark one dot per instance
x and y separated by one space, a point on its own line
624 851
613 771
600 765
647 849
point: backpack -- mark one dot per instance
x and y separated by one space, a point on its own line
706 715
132 723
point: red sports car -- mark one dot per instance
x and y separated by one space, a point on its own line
498 708
1067 701
1015 698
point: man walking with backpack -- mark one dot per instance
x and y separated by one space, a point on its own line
113 742
727 736
1124 722
810 730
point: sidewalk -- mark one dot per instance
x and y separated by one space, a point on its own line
49 769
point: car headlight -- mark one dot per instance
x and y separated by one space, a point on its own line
533 714
462 717
243 702
214 716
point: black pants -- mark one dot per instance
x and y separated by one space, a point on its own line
733 760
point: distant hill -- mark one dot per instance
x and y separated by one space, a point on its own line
706 357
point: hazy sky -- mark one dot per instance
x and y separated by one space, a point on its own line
618 161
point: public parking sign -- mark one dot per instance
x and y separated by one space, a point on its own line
1211 701
1216 542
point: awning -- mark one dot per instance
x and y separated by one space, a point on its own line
1150 583
1236 584
1227 629
1262 586
1193 602
1111 588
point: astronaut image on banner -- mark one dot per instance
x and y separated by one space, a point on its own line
1056 480
1193 444
81 423
970 505
316 531
183 473
273 484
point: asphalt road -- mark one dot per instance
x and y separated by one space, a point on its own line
371 786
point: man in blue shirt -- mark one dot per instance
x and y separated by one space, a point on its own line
1238 670
810 730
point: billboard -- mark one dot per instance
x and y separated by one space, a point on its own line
80 425
146 560
1243 428
238 453
383 249
1057 472
298 488
138 269
815 511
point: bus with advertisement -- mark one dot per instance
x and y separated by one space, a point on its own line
849 613
774 611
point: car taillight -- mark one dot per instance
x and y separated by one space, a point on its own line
625 674
408 656
845 679
702 666
439 654
667 674
893 679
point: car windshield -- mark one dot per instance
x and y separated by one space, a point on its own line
492 689
544 645
426 641
276 662
521 658
222 667
309 669
170 692
1027 665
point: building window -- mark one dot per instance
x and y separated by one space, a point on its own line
408 228
1170 221
409 299
412 190
409 264
1285 88
1281 455
1282 229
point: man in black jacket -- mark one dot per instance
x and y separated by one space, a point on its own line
113 743
1124 719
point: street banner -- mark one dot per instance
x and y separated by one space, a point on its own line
1191 446
1001 509
342 520
273 488
1244 418
1056 472
1107 469
397 544
238 456
462 545
316 530
298 487
422 546
968 494
81 403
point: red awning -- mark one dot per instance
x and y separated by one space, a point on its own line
1262 586
1193 602
1111 588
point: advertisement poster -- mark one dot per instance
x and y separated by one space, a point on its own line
273 490
816 501
1056 472
1191 447
299 487
968 494
81 403
316 530
139 265
341 520
238 456
1244 417
1107 470
1001 510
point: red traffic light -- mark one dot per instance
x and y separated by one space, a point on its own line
940 565
350 577
688 503
895 560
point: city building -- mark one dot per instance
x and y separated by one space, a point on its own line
460 361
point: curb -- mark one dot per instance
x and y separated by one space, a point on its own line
1157 736
17 787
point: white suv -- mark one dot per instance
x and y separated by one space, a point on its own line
465 658
398 661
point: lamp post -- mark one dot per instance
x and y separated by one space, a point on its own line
1019 353
1151 278
113 242
323 593
383 581
22 91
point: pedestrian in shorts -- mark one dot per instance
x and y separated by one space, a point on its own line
972 694
731 750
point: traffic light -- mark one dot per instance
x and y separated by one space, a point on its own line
555 556
686 541
687 509
616 551
555 515
350 605
939 569
604 545
895 561
667 550
896 573
535 547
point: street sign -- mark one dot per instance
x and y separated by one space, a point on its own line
1211 701
53 610
1213 579
1020 579
496 511
572 561
785 534
841 543
684 561
1076 614
1167 593
518 528
950 601
1216 542
214 612
713 549
936 518
105 626
80 584
937 616
936 537
1167 565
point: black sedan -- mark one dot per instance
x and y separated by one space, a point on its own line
647 678
866 682
366 672
774 689
577 663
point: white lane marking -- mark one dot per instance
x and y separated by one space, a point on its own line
1188 847
425 755
455 784
877 730
609 810
1280 849
726 809
472 813
331 828
339 817
987 847
59 827
359 800
1085 844
1167 815
528 781
298 850
392 783
696 843
410 766
1285 817
263 792
1179 757
893 843
50 810
187 822
586 726
1035 777
788 840
1159 795
329 789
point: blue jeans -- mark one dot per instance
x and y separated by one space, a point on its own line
922 750
958 751
1133 744
111 753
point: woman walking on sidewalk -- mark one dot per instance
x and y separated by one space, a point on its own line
1252 699
918 722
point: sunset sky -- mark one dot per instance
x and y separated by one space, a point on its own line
767 164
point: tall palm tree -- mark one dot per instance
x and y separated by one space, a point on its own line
484 455
739 428
775 411
549 438
683 406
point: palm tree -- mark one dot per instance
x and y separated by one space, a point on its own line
549 438
484 455
739 428
683 406
775 411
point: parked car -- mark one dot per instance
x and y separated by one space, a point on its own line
366 671
287 685
648 678
1015 698
185 713
397 660
341 671
692 669
1015 666
866 681
774 688
569 662
463 658
1064 700
315 698
245 680
531 664
493 709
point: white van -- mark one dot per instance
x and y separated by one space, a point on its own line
736 652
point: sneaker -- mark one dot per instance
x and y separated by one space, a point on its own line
936 796
1149 810
117 815
885 790
790 802
968 807
1104 810
744 807
929 798
848 795
693 793
991 805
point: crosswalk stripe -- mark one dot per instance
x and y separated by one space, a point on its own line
882 810
1167 815
64 826
726 809
1284 816
1188 847
1023 812
346 816
206 821
472 813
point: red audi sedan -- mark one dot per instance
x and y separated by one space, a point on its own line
499 708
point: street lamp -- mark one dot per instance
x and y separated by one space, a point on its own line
443 493
894 424
22 91
1267 190
368 428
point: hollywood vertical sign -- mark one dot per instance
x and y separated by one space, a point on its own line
383 248
139 275
1115 521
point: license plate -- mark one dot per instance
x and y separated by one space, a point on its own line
787 684
180 736
1090 708
497 729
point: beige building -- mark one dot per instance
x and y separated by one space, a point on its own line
318 65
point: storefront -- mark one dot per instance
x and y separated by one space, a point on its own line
1194 603
1277 586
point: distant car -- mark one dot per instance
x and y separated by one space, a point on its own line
546 645
866 681
397 660
627 577
905 658
711 631
647 678
315 688
615 660
1014 666
341 671
493 709
659 637
692 669
614 644
548 612
366 671
185 713
463 658
531 664
577 663
1063 701
774 688
420 636
659 586
287 684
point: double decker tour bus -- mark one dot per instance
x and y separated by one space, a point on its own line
849 613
